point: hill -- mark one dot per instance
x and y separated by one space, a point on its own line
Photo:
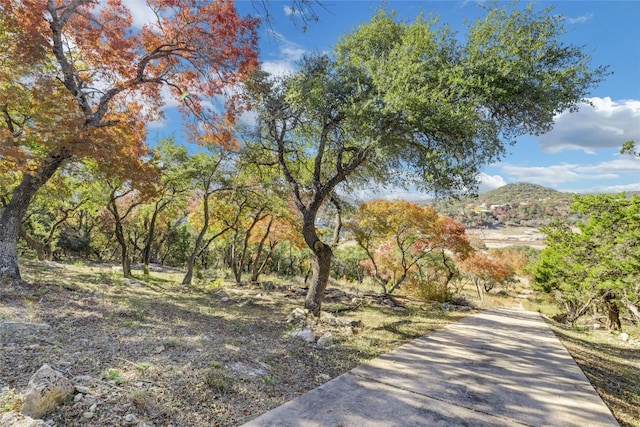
521 204
524 192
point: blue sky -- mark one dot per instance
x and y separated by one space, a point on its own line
581 154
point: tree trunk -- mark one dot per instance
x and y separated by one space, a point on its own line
613 312
188 277
478 289
146 251
320 277
40 249
15 210
119 231
632 309
257 267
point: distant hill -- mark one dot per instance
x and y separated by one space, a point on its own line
522 192
513 204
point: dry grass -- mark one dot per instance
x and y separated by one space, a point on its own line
220 354
211 354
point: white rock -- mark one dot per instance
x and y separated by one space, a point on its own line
15 419
326 340
305 334
47 389
296 314
241 369
130 418
624 336
83 389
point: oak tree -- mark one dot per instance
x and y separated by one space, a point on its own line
409 104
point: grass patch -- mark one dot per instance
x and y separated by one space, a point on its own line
219 379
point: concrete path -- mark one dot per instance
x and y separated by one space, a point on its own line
501 367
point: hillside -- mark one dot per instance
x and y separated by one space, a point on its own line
521 204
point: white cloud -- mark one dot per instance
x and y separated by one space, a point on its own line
580 19
609 189
141 13
289 11
564 173
490 182
604 124
288 54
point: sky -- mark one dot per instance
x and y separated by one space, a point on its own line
582 152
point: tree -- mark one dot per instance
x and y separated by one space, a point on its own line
80 80
398 236
170 192
405 103
210 180
600 264
485 272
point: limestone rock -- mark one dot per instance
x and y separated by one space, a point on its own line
296 315
15 419
47 389
326 340
304 334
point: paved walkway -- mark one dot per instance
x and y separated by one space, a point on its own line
501 367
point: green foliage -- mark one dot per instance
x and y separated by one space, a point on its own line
426 289
115 376
603 257
219 379
346 263
450 104
630 148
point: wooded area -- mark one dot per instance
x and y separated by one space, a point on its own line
79 179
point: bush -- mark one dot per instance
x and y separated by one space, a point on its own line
429 290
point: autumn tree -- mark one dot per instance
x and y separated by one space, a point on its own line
78 79
399 236
485 272
599 266
396 96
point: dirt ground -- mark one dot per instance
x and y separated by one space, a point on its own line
148 351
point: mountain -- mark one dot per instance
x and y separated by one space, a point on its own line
513 204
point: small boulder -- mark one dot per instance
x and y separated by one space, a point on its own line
47 389
304 334
624 336
296 315
326 340
15 419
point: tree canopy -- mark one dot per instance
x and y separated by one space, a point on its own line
80 80
409 104
599 265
